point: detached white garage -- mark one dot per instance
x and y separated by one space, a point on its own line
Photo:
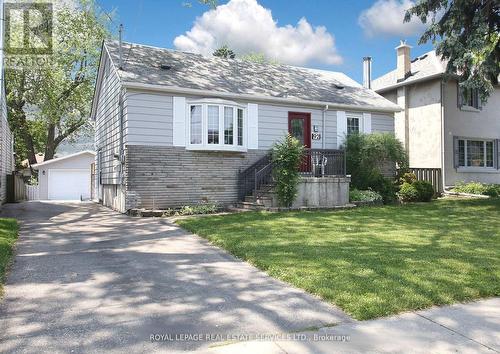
67 177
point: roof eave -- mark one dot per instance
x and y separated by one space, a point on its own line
48 162
260 98
411 82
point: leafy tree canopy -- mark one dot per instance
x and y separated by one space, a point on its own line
50 102
467 34
224 52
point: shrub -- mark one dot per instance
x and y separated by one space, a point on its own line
418 191
201 208
425 190
470 188
364 196
408 192
408 177
384 186
287 156
492 190
366 155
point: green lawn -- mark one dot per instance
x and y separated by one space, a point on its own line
375 261
8 236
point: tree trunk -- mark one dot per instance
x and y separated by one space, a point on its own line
20 118
50 146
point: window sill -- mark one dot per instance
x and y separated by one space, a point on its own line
470 109
216 148
477 170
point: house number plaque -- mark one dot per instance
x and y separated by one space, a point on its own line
316 136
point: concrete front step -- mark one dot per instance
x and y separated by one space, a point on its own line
251 206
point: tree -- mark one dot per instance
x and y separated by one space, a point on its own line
467 34
224 52
287 155
50 102
258 58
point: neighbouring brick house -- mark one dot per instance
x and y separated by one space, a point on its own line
175 128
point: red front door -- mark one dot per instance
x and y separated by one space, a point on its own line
299 126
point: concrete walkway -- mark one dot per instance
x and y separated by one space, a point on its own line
86 279
461 328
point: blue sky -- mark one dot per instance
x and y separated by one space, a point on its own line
358 28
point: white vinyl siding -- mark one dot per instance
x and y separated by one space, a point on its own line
273 125
152 121
179 121
149 119
107 125
382 123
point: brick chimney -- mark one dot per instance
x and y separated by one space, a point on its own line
403 63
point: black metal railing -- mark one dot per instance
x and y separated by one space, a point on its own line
315 163
263 177
246 178
321 162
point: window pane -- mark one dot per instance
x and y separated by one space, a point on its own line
213 124
240 127
297 129
461 153
475 153
352 125
228 125
195 124
489 154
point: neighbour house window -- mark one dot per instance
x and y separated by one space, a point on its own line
475 153
352 125
216 125
470 98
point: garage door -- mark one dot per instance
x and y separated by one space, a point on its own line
69 184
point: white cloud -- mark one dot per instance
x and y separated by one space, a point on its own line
385 17
246 27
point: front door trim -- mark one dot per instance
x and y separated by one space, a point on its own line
307 125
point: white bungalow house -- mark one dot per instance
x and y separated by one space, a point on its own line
441 125
176 128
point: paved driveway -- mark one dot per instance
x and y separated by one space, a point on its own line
87 279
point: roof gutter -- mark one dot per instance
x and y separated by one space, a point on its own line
404 83
189 91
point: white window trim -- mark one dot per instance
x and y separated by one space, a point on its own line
483 168
204 146
359 117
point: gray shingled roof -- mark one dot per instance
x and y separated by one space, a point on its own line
142 64
426 65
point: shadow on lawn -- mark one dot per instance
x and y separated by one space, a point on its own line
373 261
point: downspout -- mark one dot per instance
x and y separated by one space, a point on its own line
442 135
323 142
121 150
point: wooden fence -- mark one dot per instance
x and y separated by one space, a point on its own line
32 192
432 175
22 191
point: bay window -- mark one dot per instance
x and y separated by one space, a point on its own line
216 125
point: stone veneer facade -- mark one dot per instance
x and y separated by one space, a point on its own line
169 177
